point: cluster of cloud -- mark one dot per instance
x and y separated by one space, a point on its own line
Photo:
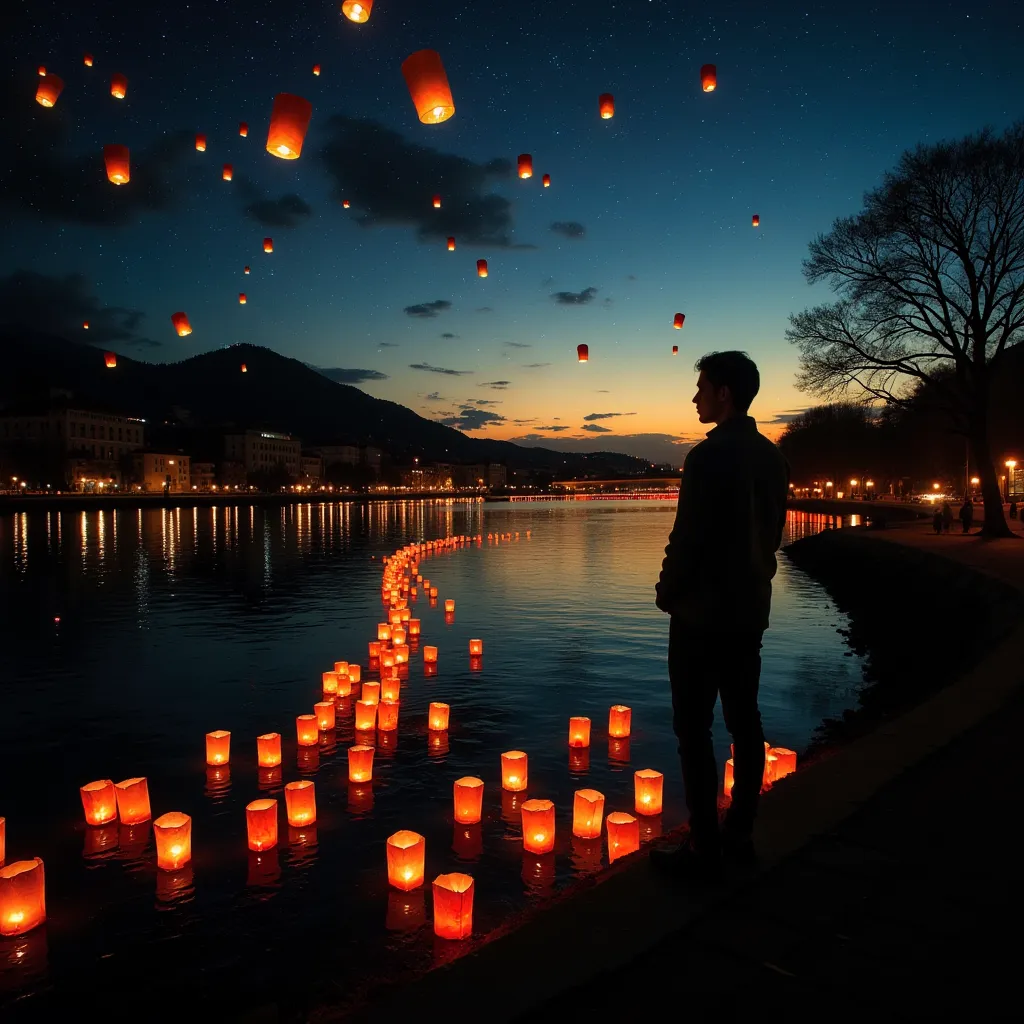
575 298
427 368
428 310
469 417
287 211
496 385
344 376
590 417
569 228
655 448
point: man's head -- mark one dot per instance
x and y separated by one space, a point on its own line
726 385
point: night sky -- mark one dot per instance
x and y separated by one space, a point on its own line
648 213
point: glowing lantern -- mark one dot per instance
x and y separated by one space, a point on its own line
525 165
785 762
678 320
587 813
406 852
623 835
355 673
469 800
118 86
110 360
389 690
173 835
85 325
428 86
243 129
430 655
242 300
579 732
398 637
99 803
366 715
708 77
117 162
245 369
437 716
546 181
48 90
433 590
371 693
268 245
246 270
727 779
329 681
360 763
453 906
181 324
200 143
387 659
22 896
437 202
449 605
268 750
481 268
341 668
3 840
227 173
620 720
413 626
345 204
675 350
316 70
383 633
133 801
357 10
583 353
87 60
261 824
514 770
606 104
300 803
648 786
387 715
755 221
289 120
41 70
538 826
218 747
306 730
324 711
451 244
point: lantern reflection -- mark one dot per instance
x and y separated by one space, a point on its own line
468 842
264 868
307 760
579 760
218 781
360 798
437 744
585 855
618 751
174 887
538 873
100 840
406 910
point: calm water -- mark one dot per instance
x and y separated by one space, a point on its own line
173 623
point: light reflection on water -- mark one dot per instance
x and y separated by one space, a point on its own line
174 622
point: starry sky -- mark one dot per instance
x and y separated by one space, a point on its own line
648 214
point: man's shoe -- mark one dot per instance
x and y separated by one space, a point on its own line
685 861
739 853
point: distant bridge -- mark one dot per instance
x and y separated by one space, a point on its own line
633 485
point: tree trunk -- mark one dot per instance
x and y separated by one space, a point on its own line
995 521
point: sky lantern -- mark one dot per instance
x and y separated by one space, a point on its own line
246 271
228 172
437 202
525 165
345 204
709 77
48 90
675 350
85 325
41 71
546 181
583 353
755 221
678 320
242 300
451 243
289 120
481 268
181 324
118 86
606 105
428 86
243 129
22 896
110 360
268 245
118 164
200 143
357 10
87 60
316 70
245 369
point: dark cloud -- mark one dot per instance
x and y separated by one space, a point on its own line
515 344
469 418
387 344
783 418
427 368
448 336
522 423
484 401
484 309
668 448
288 211
631 277
344 376
596 428
570 228
496 385
575 298
605 415
427 310
535 366
434 396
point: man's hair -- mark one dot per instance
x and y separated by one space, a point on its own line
735 371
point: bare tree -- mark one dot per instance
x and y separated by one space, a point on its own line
930 284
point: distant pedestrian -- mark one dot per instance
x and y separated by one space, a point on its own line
716 585
967 515
937 520
947 517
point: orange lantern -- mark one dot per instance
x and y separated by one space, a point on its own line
218 747
538 826
41 70
300 803
727 779
451 244
242 300
99 803
606 105
406 852
306 730
371 692
579 732
22 896
268 750
200 143
261 824
87 60
433 590
438 716
360 763
619 721
546 181
387 659
514 771
316 70
675 350
85 325
118 86
394 619
648 786
324 711
3 840
437 202
357 10
133 801
116 159
366 715
227 172
453 906
345 204
387 715
268 245
525 165
110 360
481 271
476 648
245 369
181 324
413 626
383 631
587 813
246 270
243 129
341 668
785 762
398 636
355 673
48 90
329 681
755 221
430 655
623 835
709 77
678 320
469 800
428 86
583 353
389 690
173 835
289 120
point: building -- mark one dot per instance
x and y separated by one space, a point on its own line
349 455
428 478
232 476
311 469
204 476
497 475
156 472
263 451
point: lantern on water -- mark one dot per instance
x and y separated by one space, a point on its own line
243 129
449 605
398 636
22 896
200 143
116 159
87 60
606 105
110 360
481 268
620 720
437 716
648 787
366 715
538 826
389 690
387 715
678 320
181 325
324 711
785 762
316 70
242 300
371 692
387 659
433 590
583 353
48 90
675 350
437 202
300 803
469 800
289 120
728 778
524 165
360 763
99 803
413 625
579 732
261 824
329 681
133 801
623 835
587 813
227 172
374 649
173 835
268 245
357 10
428 86
430 655
755 221
306 730
453 906
451 244
268 750
709 77
118 86
383 632
514 771
406 853
355 673
218 747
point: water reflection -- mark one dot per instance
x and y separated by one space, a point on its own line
264 869
586 855
174 888
218 782
618 752
538 873
100 842
468 842
406 910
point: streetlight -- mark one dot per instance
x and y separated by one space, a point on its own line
853 488
1011 465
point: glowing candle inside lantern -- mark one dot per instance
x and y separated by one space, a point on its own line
173 835
538 826
398 636
243 129
133 801
469 799
366 715
390 689
355 673
300 803
371 692
619 721
453 906
306 731
387 715
430 655
22 896
268 750
433 594
414 627
387 659
579 732
330 682
360 763
383 632
476 648
438 716
341 668
261 824
324 711
449 606
218 747
623 835
99 803
514 771
406 855
648 787
394 619
785 762
227 172
587 813
727 781
401 654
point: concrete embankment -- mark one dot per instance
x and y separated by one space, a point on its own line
877 512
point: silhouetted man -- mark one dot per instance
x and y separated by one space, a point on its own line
715 584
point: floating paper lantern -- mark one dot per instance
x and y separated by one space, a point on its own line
268 750
476 648
289 120
514 769
110 360
394 618
583 353
437 716
242 300
451 244
437 202
648 787
481 268
606 105
678 320
181 325
116 159
246 270
785 762
546 181
428 86
341 668
389 690
87 60
374 649
173 835
48 90
406 854
357 10
430 655
118 86
453 906
398 636
133 801
200 143
433 590
620 720
99 803
355 673
449 605
316 70
383 631
261 824
366 715
587 813
675 350
227 172
371 692
709 77
300 803
243 129
623 835
525 165
728 778
360 763
413 626
755 221
268 245
538 826
469 799
306 730
387 715
387 659
329 682
22 896
324 711
579 732
218 747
